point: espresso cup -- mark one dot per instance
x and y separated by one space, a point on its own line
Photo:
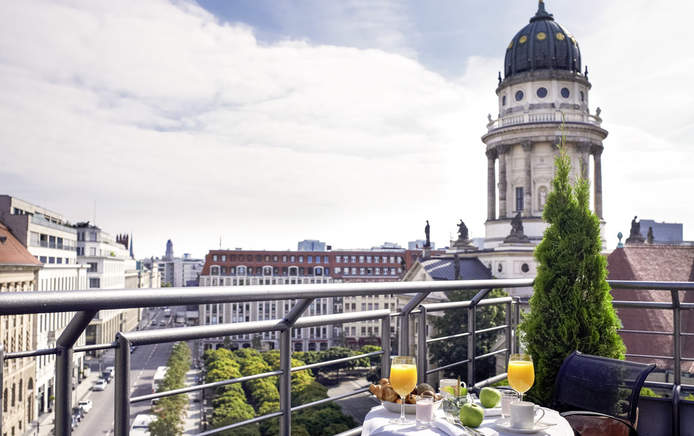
524 415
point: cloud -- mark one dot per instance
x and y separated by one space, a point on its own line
180 126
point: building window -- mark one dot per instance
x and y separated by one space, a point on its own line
338 259
519 198
309 259
92 267
51 259
94 283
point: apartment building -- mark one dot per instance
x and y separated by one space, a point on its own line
19 272
52 240
253 267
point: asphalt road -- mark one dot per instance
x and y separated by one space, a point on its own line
143 362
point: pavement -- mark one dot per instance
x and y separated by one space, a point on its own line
191 424
357 406
81 392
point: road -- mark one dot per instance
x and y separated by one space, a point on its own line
143 362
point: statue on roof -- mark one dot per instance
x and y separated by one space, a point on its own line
649 235
463 233
635 236
517 234
427 230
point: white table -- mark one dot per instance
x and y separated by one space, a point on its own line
376 423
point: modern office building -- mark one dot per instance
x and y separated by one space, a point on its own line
176 271
109 265
52 240
19 271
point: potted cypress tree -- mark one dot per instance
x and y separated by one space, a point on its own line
571 307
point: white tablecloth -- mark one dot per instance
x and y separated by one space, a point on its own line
376 424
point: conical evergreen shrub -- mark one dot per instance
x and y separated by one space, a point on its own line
571 307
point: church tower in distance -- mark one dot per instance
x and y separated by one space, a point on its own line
543 88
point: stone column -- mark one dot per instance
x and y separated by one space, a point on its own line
491 185
584 156
528 194
597 152
502 180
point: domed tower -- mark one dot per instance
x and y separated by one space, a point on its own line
543 87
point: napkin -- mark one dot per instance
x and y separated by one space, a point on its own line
449 428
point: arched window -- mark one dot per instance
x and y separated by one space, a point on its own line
21 385
214 270
13 395
4 401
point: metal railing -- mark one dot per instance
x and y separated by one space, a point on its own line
87 303
543 117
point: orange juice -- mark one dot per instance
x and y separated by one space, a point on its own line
521 375
403 378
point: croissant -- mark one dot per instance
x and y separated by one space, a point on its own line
377 391
388 394
411 399
384 381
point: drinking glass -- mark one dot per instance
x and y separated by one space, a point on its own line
521 373
403 379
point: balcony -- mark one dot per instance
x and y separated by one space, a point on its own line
657 416
543 117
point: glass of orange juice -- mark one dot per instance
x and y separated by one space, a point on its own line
403 379
521 373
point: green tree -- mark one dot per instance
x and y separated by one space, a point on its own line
169 410
571 307
455 322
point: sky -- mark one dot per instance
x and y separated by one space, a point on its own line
258 123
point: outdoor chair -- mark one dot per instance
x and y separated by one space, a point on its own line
598 395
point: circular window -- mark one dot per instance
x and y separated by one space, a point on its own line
542 92
525 268
565 92
560 36
519 95
523 39
583 96
499 268
503 100
541 36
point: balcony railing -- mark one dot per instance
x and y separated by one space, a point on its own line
543 117
88 303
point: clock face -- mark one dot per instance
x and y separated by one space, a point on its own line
542 92
519 95
565 92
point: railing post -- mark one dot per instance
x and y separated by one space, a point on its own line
509 332
286 382
404 333
385 346
122 391
471 345
286 364
63 370
516 321
677 342
676 410
2 369
422 345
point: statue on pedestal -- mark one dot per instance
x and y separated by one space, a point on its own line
463 242
427 229
635 236
517 234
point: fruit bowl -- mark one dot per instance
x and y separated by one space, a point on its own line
410 409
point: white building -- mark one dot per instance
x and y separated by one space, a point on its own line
109 263
49 238
544 94
177 271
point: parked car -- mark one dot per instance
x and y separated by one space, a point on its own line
100 385
162 323
78 413
86 405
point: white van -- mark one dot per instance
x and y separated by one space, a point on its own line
140 425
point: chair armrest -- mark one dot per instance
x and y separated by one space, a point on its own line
583 427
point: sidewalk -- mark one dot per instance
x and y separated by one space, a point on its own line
191 423
81 391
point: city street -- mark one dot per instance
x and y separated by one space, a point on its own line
144 361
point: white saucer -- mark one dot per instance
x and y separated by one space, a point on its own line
505 424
